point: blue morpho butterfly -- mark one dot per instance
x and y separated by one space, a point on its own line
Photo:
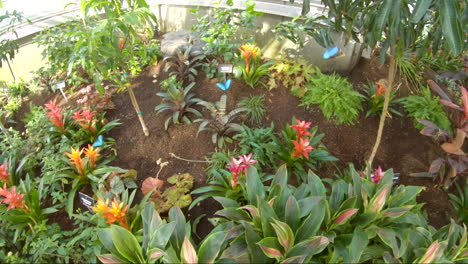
99 142
224 86
331 52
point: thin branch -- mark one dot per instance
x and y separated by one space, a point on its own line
188 160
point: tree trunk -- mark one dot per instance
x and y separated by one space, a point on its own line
137 109
388 92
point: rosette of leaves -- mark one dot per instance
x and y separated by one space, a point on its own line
176 195
179 101
335 96
345 221
220 122
376 101
255 106
292 74
184 64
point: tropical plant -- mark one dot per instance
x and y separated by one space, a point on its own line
335 96
218 161
426 107
460 202
375 99
252 68
260 142
255 106
219 28
300 149
221 122
8 45
176 195
292 74
180 101
184 65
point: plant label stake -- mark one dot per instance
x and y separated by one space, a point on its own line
87 201
60 85
225 68
396 178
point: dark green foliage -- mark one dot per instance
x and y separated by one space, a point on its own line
460 202
375 101
335 96
184 65
260 142
426 107
180 102
255 107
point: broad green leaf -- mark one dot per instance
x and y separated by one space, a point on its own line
177 237
284 234
378 200
251 237
281 177
435 250
358 244
237 250
267 215
388 236
226 202
312 223
126 244
271 247
316 185
451 27
383 12
187 253
292 213
234 214
344 216
109 259
309 247
420 10
210 247
105 237
254 186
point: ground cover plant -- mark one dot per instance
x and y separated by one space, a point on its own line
274 180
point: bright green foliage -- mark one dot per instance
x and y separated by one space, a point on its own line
460 202
8 47
259 141
426 107
180 101
292 74
221 123
219 28
335 96
255 106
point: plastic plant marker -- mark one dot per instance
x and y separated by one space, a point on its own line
224 86
99 142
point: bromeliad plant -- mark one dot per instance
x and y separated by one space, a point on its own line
300 148
221 122
184 65
252 68
375 100
179 101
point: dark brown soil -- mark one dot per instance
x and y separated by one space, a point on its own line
402 147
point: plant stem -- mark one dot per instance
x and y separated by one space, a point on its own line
137 109
391 78
188 160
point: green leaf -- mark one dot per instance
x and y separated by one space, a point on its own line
234 214
271 247
109 259
316 185
254 186
381 20
284 233
388 236
358 244
451 27
305 7
126 244
309 247
420 10
251 237
188 253
312 223
281 176
177 237
292 213
211 247
105 237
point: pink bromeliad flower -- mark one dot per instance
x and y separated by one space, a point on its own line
377 175
238 166
12 198
301 128
55 115
85 118
4 174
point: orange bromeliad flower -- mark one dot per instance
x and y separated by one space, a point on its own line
115 213
75 159
380 90
248 51
301 128
92 154
4 174
302 148
12 198
85 118
55 115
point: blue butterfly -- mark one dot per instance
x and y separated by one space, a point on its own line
224 86
99 142
331 52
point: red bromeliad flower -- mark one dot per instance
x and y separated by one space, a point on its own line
86 119
12 198
301 128
377 175
4 174
302 148
55 115
380 90
238 166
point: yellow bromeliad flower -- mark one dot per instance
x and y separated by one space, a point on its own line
92 154
115 213
75 159
100 206
248 51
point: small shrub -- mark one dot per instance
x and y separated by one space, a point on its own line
260 142
293 75
376 97
255 107
426 107
335 96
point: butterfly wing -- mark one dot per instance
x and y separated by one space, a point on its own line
227 84
99 142
221 86
331 52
